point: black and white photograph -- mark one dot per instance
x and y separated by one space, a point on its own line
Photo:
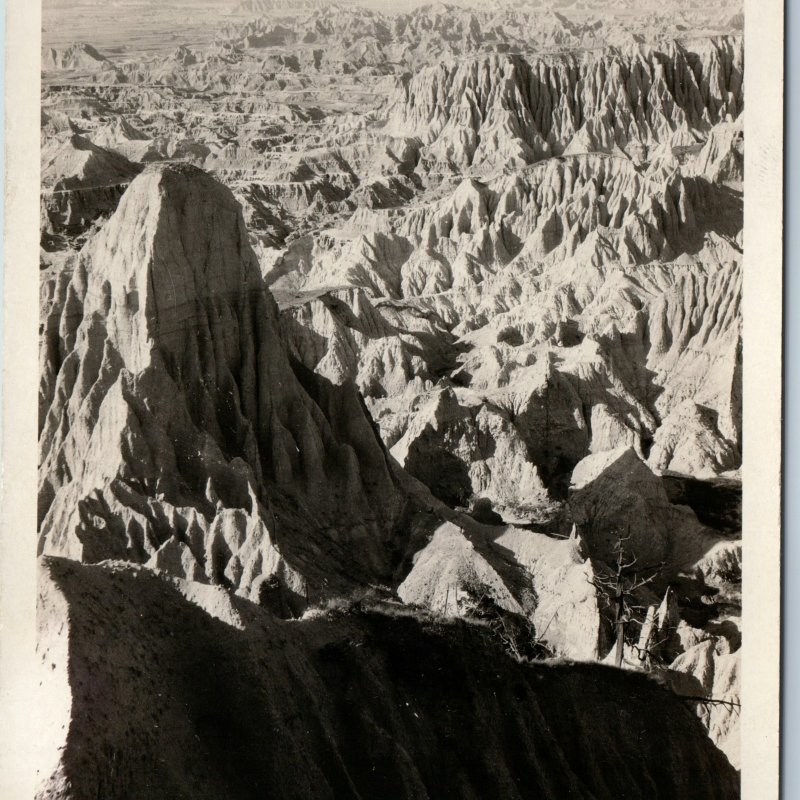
391 420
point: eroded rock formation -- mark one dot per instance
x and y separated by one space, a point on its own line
175 429
462 334
356 706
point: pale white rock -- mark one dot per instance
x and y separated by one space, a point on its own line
688 441
721 158
450 565
175 558
567 610
548 580
717 676
460 448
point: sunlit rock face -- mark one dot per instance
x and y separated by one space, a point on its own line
360 320
174 428
511 110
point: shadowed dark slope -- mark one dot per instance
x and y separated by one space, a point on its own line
169 701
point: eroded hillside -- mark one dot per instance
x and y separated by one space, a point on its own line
361 705
441 305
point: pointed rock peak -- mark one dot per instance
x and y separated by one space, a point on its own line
183 55
176 177
471 185
89 50
127 131
76 56
577 545
58 121
188 223
623 462
663 161
580 143
82 143
174 256
77 162
80 50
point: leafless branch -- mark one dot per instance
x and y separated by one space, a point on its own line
731 705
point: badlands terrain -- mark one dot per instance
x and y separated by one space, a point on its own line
390 399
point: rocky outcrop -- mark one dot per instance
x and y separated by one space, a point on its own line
474 334
696 347
710 670
625 347
545 579
370 704
592 207
461 448
721 158
689 442
614 497
76 56
81 183
263 7
174 427
359 36
689 582
343 336
505 110
124 136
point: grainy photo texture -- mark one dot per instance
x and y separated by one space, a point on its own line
390 400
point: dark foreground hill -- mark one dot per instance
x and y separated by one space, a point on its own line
166 689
